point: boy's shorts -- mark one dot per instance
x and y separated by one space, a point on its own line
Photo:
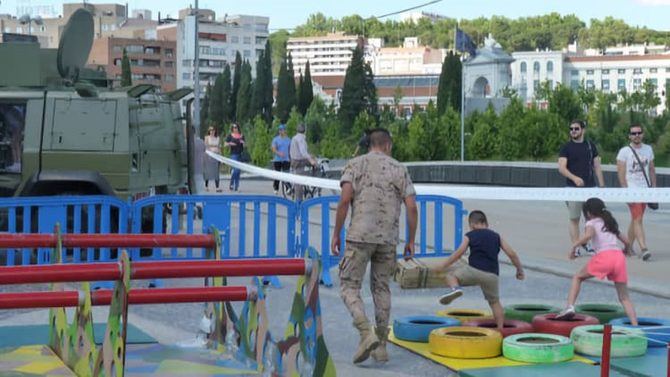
487 281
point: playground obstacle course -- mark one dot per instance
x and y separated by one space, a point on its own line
244 336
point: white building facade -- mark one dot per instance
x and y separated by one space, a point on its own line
607 73
410 59
218 43
328 55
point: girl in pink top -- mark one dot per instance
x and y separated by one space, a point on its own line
602 231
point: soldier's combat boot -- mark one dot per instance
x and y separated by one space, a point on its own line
368 340
379 354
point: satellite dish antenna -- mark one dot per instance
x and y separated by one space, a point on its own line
75 44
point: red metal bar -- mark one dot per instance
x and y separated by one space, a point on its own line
29 300
139 240
59 273
27 240
33 240
605 359
241 267
174 295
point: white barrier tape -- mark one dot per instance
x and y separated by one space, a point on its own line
609 195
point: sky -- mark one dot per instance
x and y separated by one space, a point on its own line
286 14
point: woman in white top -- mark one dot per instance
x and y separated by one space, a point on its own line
211 168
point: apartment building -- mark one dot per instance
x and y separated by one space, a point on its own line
328 55
218 42
151 61
410 59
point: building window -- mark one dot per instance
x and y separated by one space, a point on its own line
621 85
590 84
605 84
247 40
574 84
169 52
135 49
637 84
117 49
589 72
653 70
536 67
234 39
247 53
536 85
605 71
523 67
186 63
637 71
186 76
574 72
621 71
550 67
168 64
117 62
169 78
653 82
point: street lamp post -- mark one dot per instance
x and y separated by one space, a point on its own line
196 85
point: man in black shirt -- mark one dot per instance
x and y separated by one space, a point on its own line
579 163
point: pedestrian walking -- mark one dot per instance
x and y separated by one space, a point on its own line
635 168
374 186
579 163
235 141
281 161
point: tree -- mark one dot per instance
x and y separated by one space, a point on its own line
126 78
285 92
237 74
306 93
358 92
262 99
226 96
449 87
243 110
278 41
216 106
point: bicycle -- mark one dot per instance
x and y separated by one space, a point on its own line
308 192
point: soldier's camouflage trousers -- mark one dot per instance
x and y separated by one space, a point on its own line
352 270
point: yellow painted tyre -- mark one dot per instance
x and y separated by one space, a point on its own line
465 315
465 342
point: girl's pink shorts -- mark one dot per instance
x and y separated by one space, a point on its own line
610 264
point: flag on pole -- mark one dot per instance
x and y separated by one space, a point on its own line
464 43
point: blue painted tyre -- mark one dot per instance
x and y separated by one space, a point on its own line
657 330
417 328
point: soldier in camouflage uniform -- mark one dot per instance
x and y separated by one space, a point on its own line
375 185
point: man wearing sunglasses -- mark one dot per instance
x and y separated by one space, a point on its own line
579 163
635 168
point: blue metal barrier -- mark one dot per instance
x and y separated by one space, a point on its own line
228 213
74 214
426 246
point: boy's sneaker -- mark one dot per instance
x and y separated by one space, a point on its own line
566 313
645 255
452 294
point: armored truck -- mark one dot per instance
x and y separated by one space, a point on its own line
61 134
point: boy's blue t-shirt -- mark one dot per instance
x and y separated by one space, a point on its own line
281 144
484 248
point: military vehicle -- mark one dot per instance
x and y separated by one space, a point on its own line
60 134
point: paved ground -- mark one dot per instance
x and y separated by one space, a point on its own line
536 230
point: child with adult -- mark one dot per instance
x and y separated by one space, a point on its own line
482 268
235 141
609 262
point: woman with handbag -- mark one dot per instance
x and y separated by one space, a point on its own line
235 141
635 168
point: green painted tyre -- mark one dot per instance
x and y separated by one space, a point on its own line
538 348
626 342
604 312
526 312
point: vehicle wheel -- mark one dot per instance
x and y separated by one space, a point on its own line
510 326
417 328
626 341
548 324
604 312
538 348
464 315
465 342
526 312
657 330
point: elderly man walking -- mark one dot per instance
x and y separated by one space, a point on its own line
374 185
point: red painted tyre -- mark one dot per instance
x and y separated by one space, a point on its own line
510 326
547 324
